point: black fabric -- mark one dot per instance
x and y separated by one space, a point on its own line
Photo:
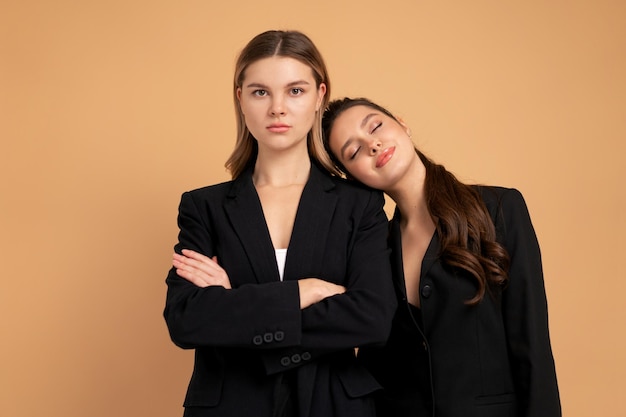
285 395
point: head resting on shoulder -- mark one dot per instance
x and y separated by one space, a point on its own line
333 111
277 43
463 223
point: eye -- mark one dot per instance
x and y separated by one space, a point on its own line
296 91
376 127
259 93
354 154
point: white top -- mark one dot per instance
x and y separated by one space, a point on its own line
281 255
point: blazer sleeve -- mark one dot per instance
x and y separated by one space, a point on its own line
260 316
362 315
525 312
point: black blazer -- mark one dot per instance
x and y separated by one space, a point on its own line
493 359
244 338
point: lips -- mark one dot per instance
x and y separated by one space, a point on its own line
278 127
385 156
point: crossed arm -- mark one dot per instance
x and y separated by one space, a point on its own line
203 271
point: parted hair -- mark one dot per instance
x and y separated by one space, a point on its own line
290 44
463 223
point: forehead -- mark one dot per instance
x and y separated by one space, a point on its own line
277 68
353 118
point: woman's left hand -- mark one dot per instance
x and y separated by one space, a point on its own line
200 270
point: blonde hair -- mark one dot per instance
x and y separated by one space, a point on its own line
290 44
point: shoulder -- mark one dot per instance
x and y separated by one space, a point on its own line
359 196
212 189
508 210
355 187
208 193
343 187
498 198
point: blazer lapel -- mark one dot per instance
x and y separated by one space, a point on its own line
312 225
431 255
395 243
243 208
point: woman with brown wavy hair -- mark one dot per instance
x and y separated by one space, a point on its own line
470 336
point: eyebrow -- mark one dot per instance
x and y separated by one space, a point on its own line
363 123
291 84
366 119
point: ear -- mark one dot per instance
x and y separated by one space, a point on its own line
239 93
321 92
404 125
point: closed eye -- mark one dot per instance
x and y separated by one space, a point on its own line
354 154
376 127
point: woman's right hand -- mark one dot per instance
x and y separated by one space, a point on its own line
200 270
313 290
204 271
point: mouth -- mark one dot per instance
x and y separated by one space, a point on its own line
278 127
385 156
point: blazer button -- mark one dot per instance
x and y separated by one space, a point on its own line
257 340
296 358
279 336
268 338
306 356
285 361
426 291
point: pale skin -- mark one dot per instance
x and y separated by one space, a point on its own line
279 99
377 150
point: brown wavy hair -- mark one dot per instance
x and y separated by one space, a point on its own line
463 223
290 44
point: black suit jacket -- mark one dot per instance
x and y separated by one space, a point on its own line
493 359
247 336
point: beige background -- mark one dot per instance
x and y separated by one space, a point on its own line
109 110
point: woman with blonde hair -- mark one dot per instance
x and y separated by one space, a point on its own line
279 273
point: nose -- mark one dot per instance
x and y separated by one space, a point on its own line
375 146
277 107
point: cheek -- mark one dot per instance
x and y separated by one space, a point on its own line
303 108
250 110
363 169
359 170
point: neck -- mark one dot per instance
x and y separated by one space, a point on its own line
408 194
281 169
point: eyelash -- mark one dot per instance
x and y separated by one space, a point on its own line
359 148
294 91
